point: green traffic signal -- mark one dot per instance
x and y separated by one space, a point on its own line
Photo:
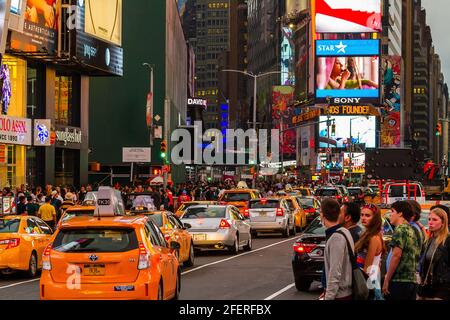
163 155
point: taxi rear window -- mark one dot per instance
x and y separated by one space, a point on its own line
157 219
231 197
261 204
96 240
9 226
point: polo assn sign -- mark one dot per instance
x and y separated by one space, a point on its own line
15 130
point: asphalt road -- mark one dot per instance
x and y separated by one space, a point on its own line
263 273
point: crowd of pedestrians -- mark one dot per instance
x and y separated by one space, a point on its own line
417 264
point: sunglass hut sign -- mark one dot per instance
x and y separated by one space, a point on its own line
15 130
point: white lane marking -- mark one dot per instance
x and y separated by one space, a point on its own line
276 294
18 283
239 255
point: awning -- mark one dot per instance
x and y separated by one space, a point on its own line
157 181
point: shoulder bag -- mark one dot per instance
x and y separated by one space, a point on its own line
359 281
426 289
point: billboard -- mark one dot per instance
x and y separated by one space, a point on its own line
287 57
362 129
391 119
347 48
348 77
348 16
103 20
40 30
335 165
282 113
355 162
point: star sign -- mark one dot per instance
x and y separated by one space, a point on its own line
341 47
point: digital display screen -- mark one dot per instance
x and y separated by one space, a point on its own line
356 162
348 77
348 16
336 163
363 131
16 6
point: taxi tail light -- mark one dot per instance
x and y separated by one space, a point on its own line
167 236
10 243
144 262
300 247
246 213
310 210
224 224
46 264
280 212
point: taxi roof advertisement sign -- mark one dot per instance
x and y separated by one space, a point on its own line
348 16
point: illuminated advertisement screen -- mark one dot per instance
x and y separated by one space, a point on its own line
336 163
348 77
355 162
348 16
361 128
103 19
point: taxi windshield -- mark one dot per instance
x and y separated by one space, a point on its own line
95 240
9 225
211 213
231 197
157 219
77 213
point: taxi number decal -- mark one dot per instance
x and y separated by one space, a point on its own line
104 202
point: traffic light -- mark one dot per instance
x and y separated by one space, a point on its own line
333 129
157 171
439 129
163 149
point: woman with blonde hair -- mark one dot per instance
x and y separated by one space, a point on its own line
370 247
435 264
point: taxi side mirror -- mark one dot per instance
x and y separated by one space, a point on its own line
175 245
187 226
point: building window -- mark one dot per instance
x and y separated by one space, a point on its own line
67 105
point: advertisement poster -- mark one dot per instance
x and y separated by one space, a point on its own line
348 16
355 162
40 32
362 129
282 113
391 120
103 19
348 77
287 58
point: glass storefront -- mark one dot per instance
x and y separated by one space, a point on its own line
67 105
12 157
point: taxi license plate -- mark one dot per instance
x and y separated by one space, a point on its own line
200 237
263 214
92 270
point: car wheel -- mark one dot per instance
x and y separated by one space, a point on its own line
178 288
32 266
190 261
302 284
248 247
254 234
234 249
160 292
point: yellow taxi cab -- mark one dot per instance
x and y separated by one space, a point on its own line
110 256
239 198
304 191
297 211
182 209
173 230
23 240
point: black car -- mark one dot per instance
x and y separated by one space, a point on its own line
330 192
308 258
357 194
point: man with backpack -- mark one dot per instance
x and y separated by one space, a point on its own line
338 266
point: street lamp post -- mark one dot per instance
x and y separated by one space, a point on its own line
255 92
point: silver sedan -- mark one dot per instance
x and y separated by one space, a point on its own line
218 227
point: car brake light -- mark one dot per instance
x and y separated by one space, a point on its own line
10 243
263 201
310 210
224 224
304 247
222 202
167 237
246 213
46 264
144 262
280 212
